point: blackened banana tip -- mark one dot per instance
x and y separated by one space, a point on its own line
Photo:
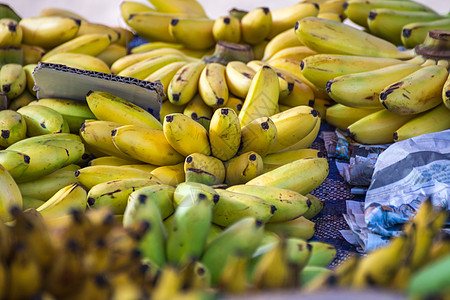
174 21
372 15
90 92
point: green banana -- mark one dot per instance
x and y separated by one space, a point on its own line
311 273
10 196
301 228
14 162
298 253
161 194
414 34
224 133
43 120
29 202
13 128
322 254
13 80
315 208
200 176
67 199
189 232
206 163
235 206
193 191
289 204
152 244
243 168
244 236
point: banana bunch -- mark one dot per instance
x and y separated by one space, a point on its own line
404 264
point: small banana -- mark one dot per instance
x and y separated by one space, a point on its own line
194 33
243 168
24 99
161 195
130 7
71 197
446 92
256 25
259 136
342 116
289 204
10 33
300 227
12 80
60 12
184 84
212 85
233 277
13 127
224 133
185 135
227 29
206 163
152 25
199 111
187 7
170 175
235 104
239 77
414 34
297 53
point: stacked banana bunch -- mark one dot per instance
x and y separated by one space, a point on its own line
416 262
383 93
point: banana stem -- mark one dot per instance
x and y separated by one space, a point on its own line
226 52
436 45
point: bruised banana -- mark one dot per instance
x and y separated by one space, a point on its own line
243 168
71 197
224 134
13 127
184 84
170 175
289 204
108 107
342 116
212 85
206 163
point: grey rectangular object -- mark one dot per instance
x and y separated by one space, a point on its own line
60 81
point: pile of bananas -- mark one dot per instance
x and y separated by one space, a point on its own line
416 262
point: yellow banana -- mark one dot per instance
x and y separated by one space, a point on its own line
377 128
199 111
239 78
275 160
297 53
79 61
434 120
90 44
13 127
328 36
332 16
48 32
146 67
170 175
10 196
189 7
243 168
446 92
256 25
108 107
258 136
289 204
71 197
283 40
206 163
53 11
165 74
235 104
29 69
168 108
286 17
112 53
233 278
93 175
307 140
184 84
43 120
315 208
262 97
10 33
97 28
151 25
301 94
227 29
125 36
416 92
131 7
111 161
12 80
212 85
288 133
194 33
363 89
14 162
224 134
185 135
414 34
146 144
144 167
300 227
342 116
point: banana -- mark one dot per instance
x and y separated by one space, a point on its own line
224 134
90 44
434 120
315 208
108 107
307 140
377 128
379 19
24 99
114 194
275 160
322 254
189 7
145 144
286 17
243 168
446 93
193 191
358 10
289 204
256 25
13 127
184 84
233 278
239 77
144 167
12 80
242 237
31 202
332 16
235 104
53 11
94 175
170 175
311 273
363 89
97 137
259 136
112 53
87 28
143 209
301 94
297 53
11 55
321 68
327 36
10 33
227 29
262 97
31 54
125 36
414 34
71 197
44 188
287 132
128 8
200 176
185 135
29 69
199 111
166 74
206 163
161 195
194 33
301 176
342 116
300 227
332 6
42 120
212 85
234 206
416 92
14 162
152 26
10 196
283 40
146 67
48 32
189 232
79 61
